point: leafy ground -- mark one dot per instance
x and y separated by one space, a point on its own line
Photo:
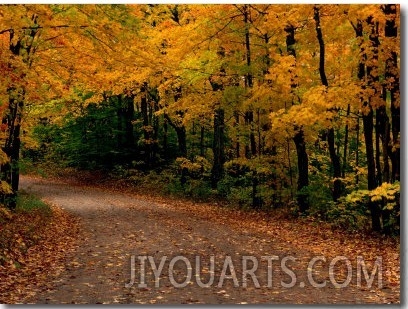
34 243
116 223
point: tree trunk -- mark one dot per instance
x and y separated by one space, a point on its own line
178 126
182 140
337 190
267 58
249 121
249 115
129 117
371 177
218 148
248 79
368 128
392 84
10 172
237 144
357 147
165 133
382 128
346 141
303 168
181 136
290 169
256 200
146 127
119 114
156 127
373 83
336 165
202 132
258 126
299 138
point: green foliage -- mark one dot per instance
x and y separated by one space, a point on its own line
241 196
194 188
251 183
351 211
193 178
28 203
319 197
198 189
235 189
349 215
94 139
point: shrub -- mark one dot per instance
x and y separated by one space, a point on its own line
319 198
351 211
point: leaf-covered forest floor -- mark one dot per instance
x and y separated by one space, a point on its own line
117 221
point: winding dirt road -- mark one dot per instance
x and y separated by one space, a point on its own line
117 226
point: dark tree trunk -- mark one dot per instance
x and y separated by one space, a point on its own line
361 75
382 128
218 148
181 136
15 156
249 79
182 140
337 186
146 127
290 170
336 165
10 170
129 113
303 168
237 144
357 147
346 141
249 115
249 121
373 83
258 126
20 47
178 126
372 183
202 148
368 128
120 137
156 127
256 200
267 58
377 151
299 138
392 84
165 143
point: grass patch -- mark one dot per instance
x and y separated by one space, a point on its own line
27 203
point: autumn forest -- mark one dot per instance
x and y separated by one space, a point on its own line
289 109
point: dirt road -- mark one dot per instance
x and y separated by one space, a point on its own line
120 228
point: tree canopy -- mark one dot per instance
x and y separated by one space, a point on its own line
264 104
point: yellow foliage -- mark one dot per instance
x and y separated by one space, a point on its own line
5 188
3 157
386 190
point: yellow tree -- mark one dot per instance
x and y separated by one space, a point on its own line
49 50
